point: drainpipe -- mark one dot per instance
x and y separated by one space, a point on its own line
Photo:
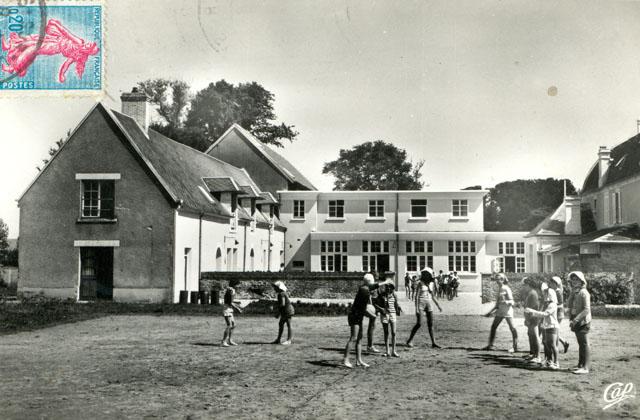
244 250
200 251
397 230
269 249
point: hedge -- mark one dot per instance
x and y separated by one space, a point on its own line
268 307
605 288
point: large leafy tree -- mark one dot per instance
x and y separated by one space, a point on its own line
4 236
521 204
198 120
374 166
215 108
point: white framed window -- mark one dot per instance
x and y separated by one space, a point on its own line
419 208
333 255
511 257
298 209
336 209
419 255
462 256
97 199
460 208
376 208
375 255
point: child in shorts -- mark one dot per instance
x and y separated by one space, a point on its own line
227 312
387 304
285 313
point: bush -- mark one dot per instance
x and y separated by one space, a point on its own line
616 311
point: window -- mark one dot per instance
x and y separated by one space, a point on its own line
298 209
333 255
462 256
98 199
298 265
336 209
418 208
375 256
617 208
511 257
376 208
460 208
419 255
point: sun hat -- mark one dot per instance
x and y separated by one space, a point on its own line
388 282
369 278
544 286
557 280
579 275
502 277
428 270
280 286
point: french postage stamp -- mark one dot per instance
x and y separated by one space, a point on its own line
57 48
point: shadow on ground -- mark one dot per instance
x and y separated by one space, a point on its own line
512 362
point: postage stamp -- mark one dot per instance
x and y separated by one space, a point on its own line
51 47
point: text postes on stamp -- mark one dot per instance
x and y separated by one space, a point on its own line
57 48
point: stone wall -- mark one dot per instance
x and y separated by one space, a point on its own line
300 284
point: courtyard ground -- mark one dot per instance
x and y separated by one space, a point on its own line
172 366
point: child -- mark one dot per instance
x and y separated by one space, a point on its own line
423 299
503 310
414 286
407 285
356 314
285 312
580 307
532 302
556 284
388 306
549 326
229 306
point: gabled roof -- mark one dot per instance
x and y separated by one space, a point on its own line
625 163
221 184
279 163
249 191
552 225
268 198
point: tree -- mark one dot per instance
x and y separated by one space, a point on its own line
374 166
171 98
4 236
53 150
216 107
521 204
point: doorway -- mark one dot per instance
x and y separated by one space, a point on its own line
96 273
382 263
509 264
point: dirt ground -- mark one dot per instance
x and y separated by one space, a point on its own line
148 366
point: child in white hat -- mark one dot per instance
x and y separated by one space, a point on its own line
285 313
389 308
549 326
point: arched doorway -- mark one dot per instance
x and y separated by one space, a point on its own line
252 261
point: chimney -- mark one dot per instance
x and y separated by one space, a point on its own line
572 221
604 158
136 105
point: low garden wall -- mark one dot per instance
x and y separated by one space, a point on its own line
313 285
605 288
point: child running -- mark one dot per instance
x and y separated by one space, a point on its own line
356 314
424 297
549 326
388 306
503 310
285 312
229 306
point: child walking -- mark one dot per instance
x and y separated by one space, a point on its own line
356 314
285 313
532 302
388 305
503 310
549 326
227 312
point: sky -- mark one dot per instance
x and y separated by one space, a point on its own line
483 91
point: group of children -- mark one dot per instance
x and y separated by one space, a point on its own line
445 285
542 317
373 299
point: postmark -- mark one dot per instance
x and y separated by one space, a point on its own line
47 47
616 393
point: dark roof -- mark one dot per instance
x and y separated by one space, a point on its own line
249 192
221 184
626 233
625 163
282 165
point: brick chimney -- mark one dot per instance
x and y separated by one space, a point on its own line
136 105
604 158
572 222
